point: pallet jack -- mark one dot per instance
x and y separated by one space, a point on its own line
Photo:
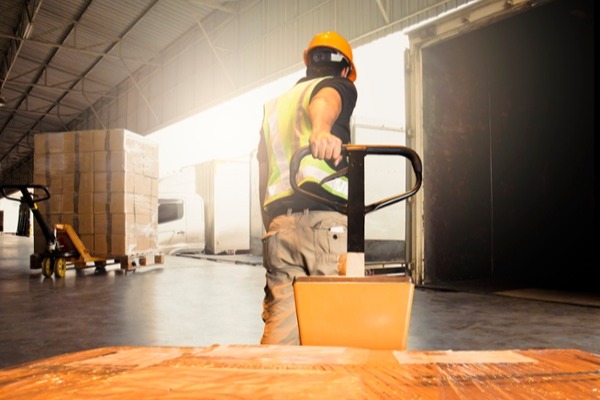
62 243
354 310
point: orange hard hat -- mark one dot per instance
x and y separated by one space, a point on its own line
336 42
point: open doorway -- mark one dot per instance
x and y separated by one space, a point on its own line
509 151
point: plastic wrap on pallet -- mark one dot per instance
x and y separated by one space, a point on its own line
105 184
301 372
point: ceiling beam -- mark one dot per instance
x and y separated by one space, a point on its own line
82 50
216 54
383 11
22 31
214 4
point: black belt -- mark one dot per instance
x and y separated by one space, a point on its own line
278 208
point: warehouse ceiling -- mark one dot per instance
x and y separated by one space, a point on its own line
141 65
58 57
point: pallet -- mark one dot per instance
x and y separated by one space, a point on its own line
131 262
126 262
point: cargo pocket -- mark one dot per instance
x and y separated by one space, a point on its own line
269 249
331 236
338 238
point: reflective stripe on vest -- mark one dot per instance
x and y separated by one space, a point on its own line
285 114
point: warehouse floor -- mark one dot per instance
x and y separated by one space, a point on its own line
200 302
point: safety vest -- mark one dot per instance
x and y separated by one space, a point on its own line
286 128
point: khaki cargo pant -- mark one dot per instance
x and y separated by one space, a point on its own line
298 244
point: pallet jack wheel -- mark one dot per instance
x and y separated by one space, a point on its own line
47 267
100 268
60 267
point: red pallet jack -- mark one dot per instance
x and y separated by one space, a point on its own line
354 310
63 244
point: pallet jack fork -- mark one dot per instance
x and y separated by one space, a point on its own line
352 309
62 243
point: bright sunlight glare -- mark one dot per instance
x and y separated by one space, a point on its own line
231 130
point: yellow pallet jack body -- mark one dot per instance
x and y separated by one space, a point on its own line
368 312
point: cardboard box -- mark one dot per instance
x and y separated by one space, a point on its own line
56 144
66 218
69 142
78 202
84 161
111 224
84 141
83 224
56 205
56 162
110 161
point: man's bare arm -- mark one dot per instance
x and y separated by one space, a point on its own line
324 109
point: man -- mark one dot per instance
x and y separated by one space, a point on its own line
304 237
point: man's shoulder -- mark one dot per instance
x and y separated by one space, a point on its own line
337 80
327 80
343 86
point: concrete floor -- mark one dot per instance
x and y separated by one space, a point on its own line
200 302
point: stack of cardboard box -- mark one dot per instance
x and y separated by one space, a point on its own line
104 183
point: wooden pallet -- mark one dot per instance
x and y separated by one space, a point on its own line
131 262
126 262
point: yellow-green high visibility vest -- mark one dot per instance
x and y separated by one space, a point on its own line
286 128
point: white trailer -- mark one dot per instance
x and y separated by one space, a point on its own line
224 188
181 227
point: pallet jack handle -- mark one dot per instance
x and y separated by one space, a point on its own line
28 198
355 208
352 263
